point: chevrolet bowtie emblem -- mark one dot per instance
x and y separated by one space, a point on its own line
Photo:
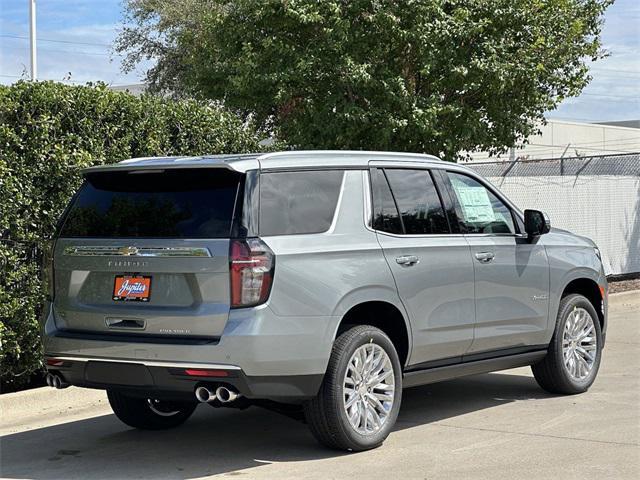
128 251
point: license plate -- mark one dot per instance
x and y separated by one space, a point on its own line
132 288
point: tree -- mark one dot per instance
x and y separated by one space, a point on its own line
437 76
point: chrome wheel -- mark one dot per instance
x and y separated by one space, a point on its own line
164 409
369 387
579 344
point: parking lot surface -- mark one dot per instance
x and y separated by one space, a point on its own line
498 425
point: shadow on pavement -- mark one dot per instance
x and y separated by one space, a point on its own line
218 441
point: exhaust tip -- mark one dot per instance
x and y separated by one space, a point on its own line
56 381
225 395
204 395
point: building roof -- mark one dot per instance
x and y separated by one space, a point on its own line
623 123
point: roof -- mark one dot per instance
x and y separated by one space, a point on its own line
268 161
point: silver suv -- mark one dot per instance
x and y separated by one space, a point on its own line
315 283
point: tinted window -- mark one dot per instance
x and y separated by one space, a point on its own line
385 217
172 203
418 201
479 210
298 202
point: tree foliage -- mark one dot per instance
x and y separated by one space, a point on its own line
439 76
48 133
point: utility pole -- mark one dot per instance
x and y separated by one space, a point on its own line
32 37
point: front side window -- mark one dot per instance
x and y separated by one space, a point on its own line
299 202
479 210
407 200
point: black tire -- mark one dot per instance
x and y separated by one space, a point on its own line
326 415
139 412
551 373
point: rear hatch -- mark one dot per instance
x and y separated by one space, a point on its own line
146 253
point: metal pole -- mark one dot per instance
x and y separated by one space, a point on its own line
32 37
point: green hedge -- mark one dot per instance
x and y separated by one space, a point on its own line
48 132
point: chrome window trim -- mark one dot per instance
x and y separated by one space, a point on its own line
146 363
131 251
448 235
368 207
336 212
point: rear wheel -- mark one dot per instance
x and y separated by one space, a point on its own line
360 396
573 359
149 413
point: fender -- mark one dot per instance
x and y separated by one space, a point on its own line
376 293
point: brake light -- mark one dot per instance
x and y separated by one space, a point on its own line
251 265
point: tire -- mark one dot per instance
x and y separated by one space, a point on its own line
553 374
326 414
149 414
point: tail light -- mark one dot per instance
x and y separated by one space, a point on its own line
251 264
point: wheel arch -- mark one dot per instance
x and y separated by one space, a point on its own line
385 315
589 288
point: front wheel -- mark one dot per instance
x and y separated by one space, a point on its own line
149 413
573 358
360 396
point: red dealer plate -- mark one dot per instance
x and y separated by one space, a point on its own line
132 288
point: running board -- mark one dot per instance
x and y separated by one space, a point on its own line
438 374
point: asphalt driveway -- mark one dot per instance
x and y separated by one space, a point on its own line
499 425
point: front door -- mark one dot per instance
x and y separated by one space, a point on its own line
432 268
511 273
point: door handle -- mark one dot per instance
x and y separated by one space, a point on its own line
407 260
485 257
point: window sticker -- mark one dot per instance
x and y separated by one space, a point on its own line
476 205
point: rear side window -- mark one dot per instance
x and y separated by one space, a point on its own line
416 201
386 217
298 202
180 203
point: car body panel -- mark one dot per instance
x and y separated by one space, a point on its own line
437 291
512 292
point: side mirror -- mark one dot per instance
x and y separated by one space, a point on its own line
536 223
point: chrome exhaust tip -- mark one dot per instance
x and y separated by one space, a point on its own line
205 395
56 381
225 395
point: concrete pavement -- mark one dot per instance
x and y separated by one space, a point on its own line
499 425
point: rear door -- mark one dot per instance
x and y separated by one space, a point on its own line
431 266
511 273
145 253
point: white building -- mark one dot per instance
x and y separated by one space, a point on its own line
573 139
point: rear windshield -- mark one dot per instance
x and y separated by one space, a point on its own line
182 203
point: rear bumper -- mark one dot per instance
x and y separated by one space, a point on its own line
266 357
168 381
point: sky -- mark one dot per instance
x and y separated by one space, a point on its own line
75 38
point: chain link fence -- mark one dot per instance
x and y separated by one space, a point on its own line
595 196
621 165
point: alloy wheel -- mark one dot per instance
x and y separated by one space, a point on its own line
579 344
369 389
